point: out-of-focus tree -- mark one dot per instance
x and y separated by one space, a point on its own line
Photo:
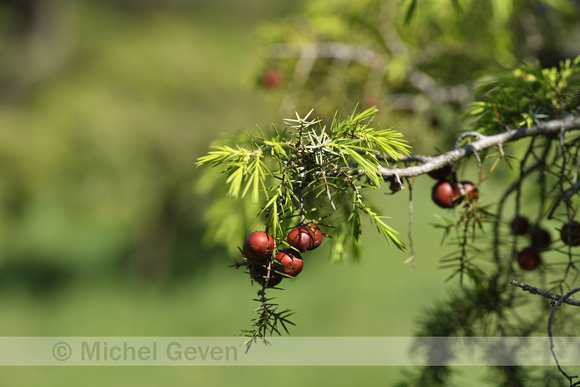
103 107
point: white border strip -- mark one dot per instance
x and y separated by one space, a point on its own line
288 351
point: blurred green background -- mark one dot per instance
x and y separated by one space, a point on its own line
104 108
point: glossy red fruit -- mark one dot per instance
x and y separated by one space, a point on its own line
570 233
317 235
529 258
259 274
520 225
446 194
541 239
301 238
441 173
470 190
305 238
290 262
272 78
259 246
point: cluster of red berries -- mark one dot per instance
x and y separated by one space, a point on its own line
529 258
448 194
260 246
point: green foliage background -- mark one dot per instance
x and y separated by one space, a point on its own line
104 108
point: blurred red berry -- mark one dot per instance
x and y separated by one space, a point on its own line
570 233
272 78
441 173
529 258
446 194
470 190
541 239
520 225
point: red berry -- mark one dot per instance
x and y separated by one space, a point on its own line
305 238
541 239
441 173
259 274
301 238
529 258
272 78
570 233
446 195
259 246
520 225
317 235
290 262
470 190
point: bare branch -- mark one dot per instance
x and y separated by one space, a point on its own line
436 92
451 157
544 293
463 136
308 53
332 50
301 74
562 299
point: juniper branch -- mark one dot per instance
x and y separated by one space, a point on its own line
432 163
